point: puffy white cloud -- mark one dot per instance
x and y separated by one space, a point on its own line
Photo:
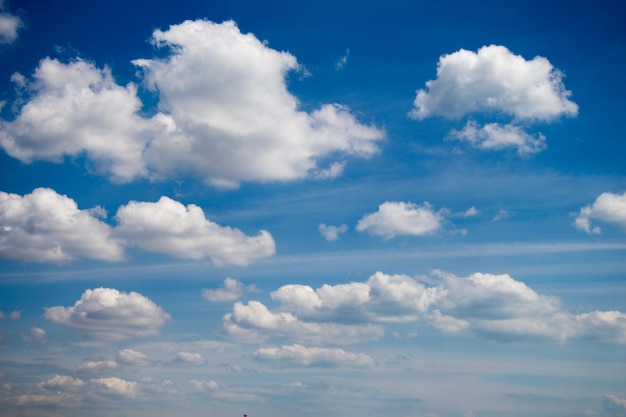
254 322
115 387
169 227
231 290
37 335
230 115
132 357
96 367
107 314
608 207
613 405
224 115
201 386
9 26
400 218
312 356
495 136
332 232
76 108
494 80
48 227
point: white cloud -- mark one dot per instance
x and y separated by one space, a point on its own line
235 120
331 233
48 227
202 386
608 207
470 212
254 323
9 26
187 359
37 335
312 356
494 136
169 227
400 218
15 315
613 406
107 314
62 383
115 387
494 80
96 367
76 108
341 62
132 357
230 291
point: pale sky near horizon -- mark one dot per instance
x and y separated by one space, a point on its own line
372 208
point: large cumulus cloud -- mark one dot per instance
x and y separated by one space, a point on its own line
224 115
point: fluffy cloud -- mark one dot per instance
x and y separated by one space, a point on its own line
115 387
494 80
313 356
608 207
494 136
132 357
254 322
331 233
76 108
230 291
232 121
491 306
399 218
47 227
235 120
169 227
107 314
96 367
9 26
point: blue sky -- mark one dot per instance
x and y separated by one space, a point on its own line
337 208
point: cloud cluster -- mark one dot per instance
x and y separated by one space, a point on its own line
608 208
224 114
298 355
400 218
107 314
491 306
495 82
45 226
331 233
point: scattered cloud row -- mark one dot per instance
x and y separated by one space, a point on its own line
45 226
231 122
490 306
494 82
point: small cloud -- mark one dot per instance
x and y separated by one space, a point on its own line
494 136
187 359
331 233
15 315
299 355
608 208
230 291
502 215
96 367
132 357
614 406
9 27
341 63
470 212
37 335
400 218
